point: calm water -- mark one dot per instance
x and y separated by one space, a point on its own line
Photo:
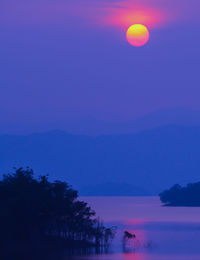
162 233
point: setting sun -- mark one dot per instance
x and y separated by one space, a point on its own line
137 35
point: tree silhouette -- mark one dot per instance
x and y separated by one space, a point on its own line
35 209
182 196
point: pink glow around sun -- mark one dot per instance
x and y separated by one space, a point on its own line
126 14
135 20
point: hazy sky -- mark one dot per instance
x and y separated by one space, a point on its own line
63 60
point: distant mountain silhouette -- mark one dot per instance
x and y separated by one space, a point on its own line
150 161
94 127
164 117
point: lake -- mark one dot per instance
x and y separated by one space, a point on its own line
162 233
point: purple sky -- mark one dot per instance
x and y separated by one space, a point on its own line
67 60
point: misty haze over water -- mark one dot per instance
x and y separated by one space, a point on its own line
165 233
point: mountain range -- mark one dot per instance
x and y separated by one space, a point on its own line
142 163
94 127
174 116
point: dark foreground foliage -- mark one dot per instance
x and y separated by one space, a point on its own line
182 196
37 213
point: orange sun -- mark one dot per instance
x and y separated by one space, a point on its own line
137 35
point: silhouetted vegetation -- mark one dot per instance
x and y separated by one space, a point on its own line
38 213
182 196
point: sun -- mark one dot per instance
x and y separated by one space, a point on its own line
137 35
